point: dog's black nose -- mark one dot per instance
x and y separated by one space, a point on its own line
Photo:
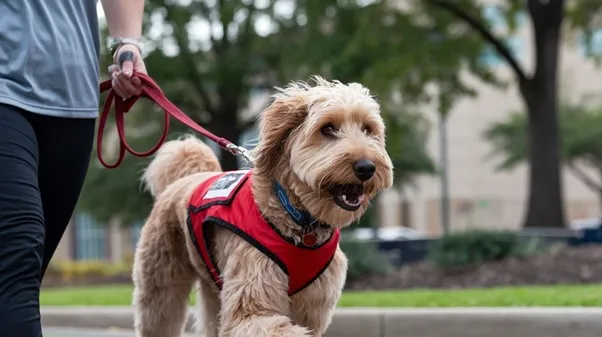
364 169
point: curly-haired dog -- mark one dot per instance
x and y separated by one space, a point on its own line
261 245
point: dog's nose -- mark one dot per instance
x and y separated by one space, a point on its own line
364 169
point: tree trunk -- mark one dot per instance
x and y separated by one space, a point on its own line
545 207
225 127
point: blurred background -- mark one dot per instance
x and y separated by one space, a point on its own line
494 118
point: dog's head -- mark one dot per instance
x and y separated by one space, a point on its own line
326 144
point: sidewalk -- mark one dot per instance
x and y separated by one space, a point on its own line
366 322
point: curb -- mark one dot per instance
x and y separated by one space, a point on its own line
368 322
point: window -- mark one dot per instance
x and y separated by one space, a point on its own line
594 48
135 233
91 238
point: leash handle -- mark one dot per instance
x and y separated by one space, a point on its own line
152 91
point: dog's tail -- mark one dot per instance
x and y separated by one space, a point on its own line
177 159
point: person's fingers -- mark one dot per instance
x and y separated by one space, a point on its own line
136 82
118 87
113 68
126 83
126 62
127 68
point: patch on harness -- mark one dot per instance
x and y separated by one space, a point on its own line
226 185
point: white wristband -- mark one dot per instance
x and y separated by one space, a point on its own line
117 42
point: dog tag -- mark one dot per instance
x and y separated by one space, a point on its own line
309 239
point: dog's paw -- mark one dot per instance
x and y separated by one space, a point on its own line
292 331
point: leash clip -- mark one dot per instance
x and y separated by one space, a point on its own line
240 151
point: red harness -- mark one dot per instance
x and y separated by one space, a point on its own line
226 200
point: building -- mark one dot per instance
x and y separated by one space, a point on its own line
479 196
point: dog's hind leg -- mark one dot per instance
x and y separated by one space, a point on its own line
163 279
207 310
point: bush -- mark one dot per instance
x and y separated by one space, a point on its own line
81 272
469 248
365 259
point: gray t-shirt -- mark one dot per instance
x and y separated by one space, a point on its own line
49 54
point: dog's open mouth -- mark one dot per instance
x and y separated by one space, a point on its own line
349 196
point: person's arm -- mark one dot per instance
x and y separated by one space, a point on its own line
124 20
124 17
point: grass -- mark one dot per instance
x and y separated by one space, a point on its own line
540 296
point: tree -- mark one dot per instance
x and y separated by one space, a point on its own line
580 133
538 89
211 77
407 134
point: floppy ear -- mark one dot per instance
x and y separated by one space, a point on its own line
283 116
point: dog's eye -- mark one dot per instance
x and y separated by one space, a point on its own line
367 130
328 130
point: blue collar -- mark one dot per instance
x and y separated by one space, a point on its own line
301 218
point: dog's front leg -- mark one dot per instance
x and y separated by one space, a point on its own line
314 306
254 297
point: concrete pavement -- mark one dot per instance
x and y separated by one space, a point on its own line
366 322
70 332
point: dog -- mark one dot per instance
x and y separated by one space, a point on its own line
261 245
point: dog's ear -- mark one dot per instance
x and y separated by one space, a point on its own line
284 115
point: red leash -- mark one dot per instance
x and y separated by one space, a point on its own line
152 91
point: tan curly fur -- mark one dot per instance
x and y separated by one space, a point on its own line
292 150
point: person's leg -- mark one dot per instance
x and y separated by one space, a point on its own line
65 145
21 226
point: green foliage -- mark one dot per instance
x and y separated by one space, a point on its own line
580 133
211 75
365 259
407 146
469 248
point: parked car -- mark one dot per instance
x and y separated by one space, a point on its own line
387 234
585 223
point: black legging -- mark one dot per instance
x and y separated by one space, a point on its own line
43 163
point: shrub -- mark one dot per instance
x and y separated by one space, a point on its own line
365 259
78 272
473 247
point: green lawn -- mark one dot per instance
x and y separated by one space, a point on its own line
542 296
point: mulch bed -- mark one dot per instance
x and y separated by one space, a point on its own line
562 265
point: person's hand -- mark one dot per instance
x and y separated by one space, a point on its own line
124 84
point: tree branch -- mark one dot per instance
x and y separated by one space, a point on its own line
485 33
584 177
225 19
193 73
